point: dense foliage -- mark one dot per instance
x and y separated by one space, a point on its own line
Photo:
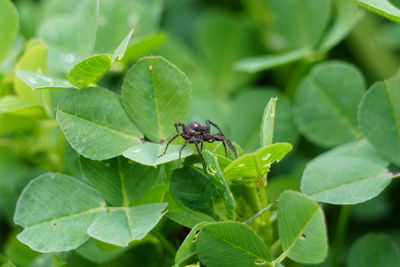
307 90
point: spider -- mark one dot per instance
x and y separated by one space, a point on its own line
195 133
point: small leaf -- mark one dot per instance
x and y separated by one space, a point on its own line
268 122
143 46
193 189
121 49
326 103
379 118
15 105
55 211
302 230
121 182
344 180
373 250
95 124
347 16
231 244
216 176
89 71
123 225
40 81
9 26
150 154
155 95
256 164
260 63
381 7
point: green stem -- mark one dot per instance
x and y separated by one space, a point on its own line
340 235
165 243
265 227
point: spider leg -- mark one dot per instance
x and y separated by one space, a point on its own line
222 138
169 142
199 152
226 152
208 123
201 146
180 152
179 124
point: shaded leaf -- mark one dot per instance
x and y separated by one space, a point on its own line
55 211
149 153
258 163
301 227
123 225
379 118
373 250
155 95
121 182
326 103
93 251
342 180
95 124
231 244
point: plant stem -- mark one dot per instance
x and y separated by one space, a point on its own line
340 235
265 227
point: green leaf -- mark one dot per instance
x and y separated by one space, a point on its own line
155 94
373 250
194 189
120 181
143 46
55 211
379 118
123 225
268 122
187 217
381 7
231 244
34 59
258 163
95 124
250 103
93 250
326 103
187 250
260 63
301 227
89 71
15 105
309 15
347 16
9 25
343 180
40 81
215 174
150 154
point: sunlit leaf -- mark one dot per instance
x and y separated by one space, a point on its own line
381 7
9 25
18 106
268 122
37 80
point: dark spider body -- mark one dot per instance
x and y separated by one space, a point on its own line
197 134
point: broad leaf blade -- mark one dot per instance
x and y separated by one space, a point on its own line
121 182
256 164
381 7
155 95
122 226
343 179
95 124
379 118
231 244
9 25
326 103
302 229
150 154
56 211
